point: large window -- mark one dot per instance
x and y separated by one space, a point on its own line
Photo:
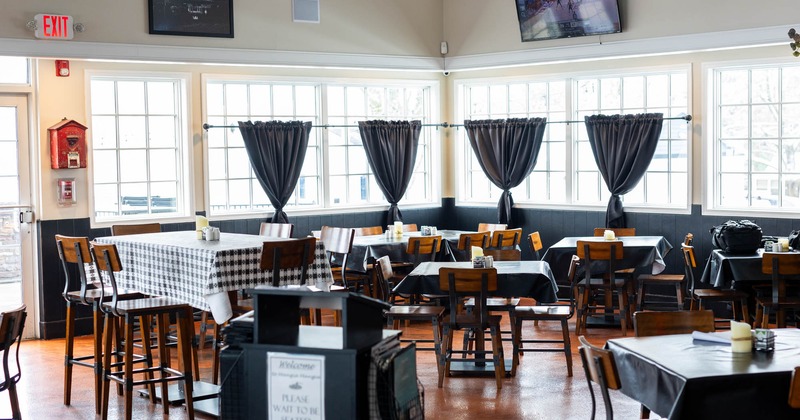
232 185
755 138
566 172
139 147
334 150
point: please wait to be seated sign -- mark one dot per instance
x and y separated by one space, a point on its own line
50 26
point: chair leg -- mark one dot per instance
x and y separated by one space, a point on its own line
623 311
203 330
497 355
759 315
644 412
162 325
679 295
215 347
437 341
128 373
110 326
97 321
640 296
444 356
12 394
69 352
567 345
185 336
144 328
517 337
745 311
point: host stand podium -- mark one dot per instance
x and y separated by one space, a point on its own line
274 368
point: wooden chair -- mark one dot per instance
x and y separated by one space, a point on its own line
369 231
397 313
562 311
703 296
649 323
478 283
600 231
338 245
505 239
74 251
276 230
606 253
410 227
535 242
678 281
424 248
600 368
467 240
287 254
784 267
119 230
489 227
106 259
503 254
11 325
794 389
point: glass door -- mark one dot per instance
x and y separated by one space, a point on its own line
16 228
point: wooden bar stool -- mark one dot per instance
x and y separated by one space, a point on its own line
74 251
106 259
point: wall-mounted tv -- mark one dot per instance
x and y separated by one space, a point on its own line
550 19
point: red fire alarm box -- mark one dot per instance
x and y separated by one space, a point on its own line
67 145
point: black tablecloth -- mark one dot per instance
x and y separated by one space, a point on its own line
368 248
682 378
514 279
723 270
638 251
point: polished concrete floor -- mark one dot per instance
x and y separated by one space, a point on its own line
541 389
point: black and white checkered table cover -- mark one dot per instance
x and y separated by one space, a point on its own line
178 265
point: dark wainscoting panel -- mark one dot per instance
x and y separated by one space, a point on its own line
51 277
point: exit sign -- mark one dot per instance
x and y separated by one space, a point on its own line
53 26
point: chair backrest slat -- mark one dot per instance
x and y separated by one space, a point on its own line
507 238
489 227
383 274
652 323
276 230
609 366
120 230
368 231
781 265
337 239
467 240
468 282
600 231
410 227
74 250
503 254
422 248
106 259
535 242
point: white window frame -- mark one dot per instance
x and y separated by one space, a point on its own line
462 147
711 163
185 187
434 168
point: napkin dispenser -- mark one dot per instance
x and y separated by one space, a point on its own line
428 230
763 339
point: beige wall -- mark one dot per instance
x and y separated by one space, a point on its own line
490 26
393 27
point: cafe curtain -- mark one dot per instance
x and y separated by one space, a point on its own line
623 146
391 148
277 151
507 152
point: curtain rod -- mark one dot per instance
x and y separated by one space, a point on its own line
206 126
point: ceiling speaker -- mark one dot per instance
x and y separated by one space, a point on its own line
305 11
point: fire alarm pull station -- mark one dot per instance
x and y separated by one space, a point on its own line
66 191
67 145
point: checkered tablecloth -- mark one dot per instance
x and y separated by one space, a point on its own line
178 265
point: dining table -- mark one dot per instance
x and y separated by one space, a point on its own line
684 378
366 249
514 279
646 252
725 270
200 272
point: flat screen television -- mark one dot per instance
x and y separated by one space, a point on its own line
551 19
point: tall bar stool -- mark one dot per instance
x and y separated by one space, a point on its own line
74 251
11 325
106 259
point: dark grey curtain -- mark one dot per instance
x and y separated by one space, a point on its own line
277 151
391 148
623 146
507 152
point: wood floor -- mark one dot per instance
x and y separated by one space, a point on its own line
541 389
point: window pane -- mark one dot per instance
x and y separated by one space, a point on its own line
14 70
214 99
633 93
657 188
103 96
130 97
216 163
283 100
132 132
238 163
734 122
734 87
162 131
105 166
733 190
163 165
236 99
611 94
260 100
131 165
104 132
161 98
306 97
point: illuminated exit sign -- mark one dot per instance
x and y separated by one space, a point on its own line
53 26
